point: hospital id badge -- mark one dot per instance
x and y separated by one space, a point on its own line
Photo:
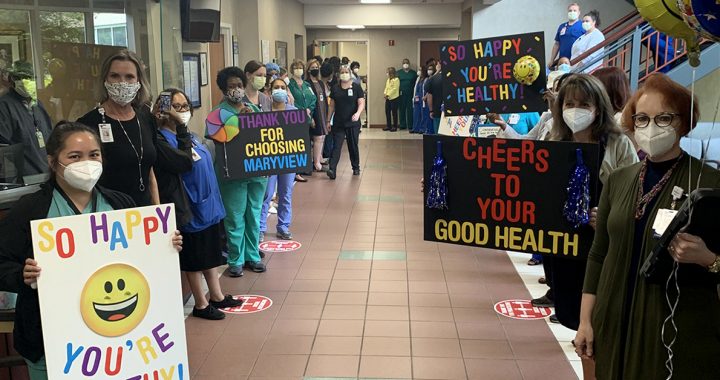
40 138
514 119
322 98
350 92
106 134
195 156
662 221
562 31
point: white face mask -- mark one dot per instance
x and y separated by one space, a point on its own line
298 73
286 80
83 175
184 117
431 72
578 119
655 141
356 70
586 26
122 93
406 66
572 15
345 77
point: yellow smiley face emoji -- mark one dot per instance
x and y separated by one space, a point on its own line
114 300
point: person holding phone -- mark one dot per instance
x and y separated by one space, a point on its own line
186 177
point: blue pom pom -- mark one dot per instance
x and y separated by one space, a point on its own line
437 186
577 205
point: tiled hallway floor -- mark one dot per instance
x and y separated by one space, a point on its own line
366 297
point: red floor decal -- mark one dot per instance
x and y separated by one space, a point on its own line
252 304
521 309
280 246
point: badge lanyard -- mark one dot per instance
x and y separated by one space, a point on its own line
138 155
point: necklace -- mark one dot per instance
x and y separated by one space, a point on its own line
644 200
138 155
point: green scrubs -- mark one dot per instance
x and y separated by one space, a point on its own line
407 86
243 199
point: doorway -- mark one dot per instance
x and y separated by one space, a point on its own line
355 50
218 57
300 47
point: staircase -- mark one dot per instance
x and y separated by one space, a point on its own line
633 45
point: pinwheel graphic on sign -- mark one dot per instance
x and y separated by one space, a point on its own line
222 125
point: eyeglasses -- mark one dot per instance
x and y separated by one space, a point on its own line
662 120
181 107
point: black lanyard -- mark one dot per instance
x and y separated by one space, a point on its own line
72 204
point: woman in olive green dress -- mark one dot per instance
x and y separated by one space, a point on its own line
622 316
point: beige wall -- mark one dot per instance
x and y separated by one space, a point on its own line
382 56
281 20
356 52
707 94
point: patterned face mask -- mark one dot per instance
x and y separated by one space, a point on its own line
122 93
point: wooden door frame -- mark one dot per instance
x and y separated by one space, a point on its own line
227 28
419 44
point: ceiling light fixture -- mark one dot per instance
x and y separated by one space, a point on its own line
353 27
375 1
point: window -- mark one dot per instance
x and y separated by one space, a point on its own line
110 29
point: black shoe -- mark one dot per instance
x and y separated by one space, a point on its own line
330 173
255 266
554 319
393 130
210 312
235 271
284 235
356 171
262 254
386 129
226 302
543 301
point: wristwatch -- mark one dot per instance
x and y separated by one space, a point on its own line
715 267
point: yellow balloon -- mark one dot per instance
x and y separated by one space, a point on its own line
526 70
665 17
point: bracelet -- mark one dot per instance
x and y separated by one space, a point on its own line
715 267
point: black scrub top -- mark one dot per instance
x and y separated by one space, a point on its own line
345 103
20 124
120 163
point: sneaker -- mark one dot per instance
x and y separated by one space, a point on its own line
235 271
210 312
255 266
543 301
284 235
226 302
554 319
272 210
330 173
356 171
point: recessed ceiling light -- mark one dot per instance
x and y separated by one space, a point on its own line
375 1
351 27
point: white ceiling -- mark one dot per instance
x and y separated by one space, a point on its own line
353 2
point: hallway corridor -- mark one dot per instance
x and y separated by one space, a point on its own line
366 297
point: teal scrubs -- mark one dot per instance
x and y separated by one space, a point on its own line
407 87
243 200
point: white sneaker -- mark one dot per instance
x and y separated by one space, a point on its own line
272 210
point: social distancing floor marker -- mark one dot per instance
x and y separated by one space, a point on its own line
521 309
275 246
251 304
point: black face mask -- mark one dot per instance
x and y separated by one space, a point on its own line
314 72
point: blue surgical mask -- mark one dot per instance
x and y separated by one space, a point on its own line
564 68
279 95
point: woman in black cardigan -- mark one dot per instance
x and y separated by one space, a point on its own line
72 148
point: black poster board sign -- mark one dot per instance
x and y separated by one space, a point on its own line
478 75
509 194
268 143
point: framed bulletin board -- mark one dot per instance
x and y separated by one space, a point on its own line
191 78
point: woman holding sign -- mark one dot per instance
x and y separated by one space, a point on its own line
243 198
76 164
347 101
186 178
632 327
283 183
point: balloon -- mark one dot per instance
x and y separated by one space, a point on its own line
703 16
665 17
526 70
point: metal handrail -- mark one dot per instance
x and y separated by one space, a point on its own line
621 21
609 40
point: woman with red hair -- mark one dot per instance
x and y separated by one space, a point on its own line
625 320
